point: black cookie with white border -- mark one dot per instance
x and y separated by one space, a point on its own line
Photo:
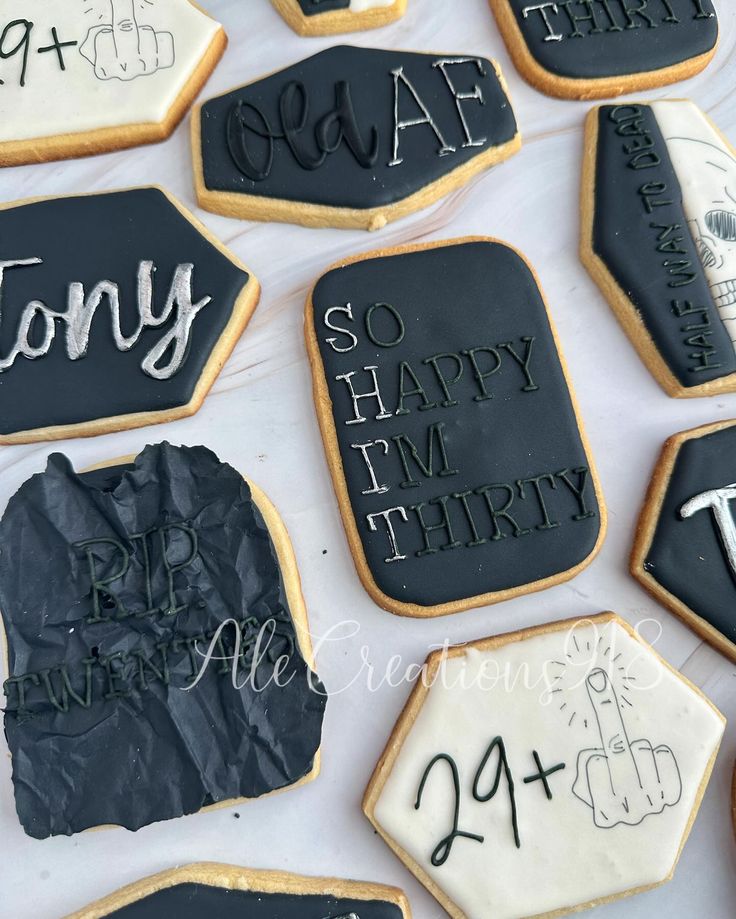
329 17
157 644
119 309
659 238
452 437
685 549
351 137
596 49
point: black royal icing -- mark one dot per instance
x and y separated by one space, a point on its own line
638 220
193 901
625 37
130 746
88 239
526 429
315 7
369 73
687 555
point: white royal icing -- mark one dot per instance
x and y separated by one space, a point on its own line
131 60
359 6
555 694
706 170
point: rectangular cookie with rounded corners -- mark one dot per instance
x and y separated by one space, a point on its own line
104 328
330 17
685 548
351 137
162 663
81 77
456 452
597 49
570 757
230 892
659 238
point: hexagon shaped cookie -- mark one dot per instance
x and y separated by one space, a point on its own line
685 549
118 310
88 76
570 754
229 892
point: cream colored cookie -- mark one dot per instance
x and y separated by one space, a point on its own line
82 77
570 753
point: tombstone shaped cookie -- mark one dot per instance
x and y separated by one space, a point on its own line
88 76
329 17
685 549
229 892
455 449
596 49
104 328
545 771
162 664
659 238
351 137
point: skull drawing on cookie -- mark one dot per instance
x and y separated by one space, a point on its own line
121 49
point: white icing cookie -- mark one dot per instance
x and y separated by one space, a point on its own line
88 76
545 771
331 17
706 170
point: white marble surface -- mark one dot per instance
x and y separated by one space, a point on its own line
260 418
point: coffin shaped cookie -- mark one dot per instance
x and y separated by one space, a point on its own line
162 663
595 49
328 17
659 238
87 76
455 449
228 892
685 550
351 137
570 754
118 310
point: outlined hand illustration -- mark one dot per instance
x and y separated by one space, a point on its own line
623 781
124 50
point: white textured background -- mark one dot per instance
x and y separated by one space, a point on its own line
260 418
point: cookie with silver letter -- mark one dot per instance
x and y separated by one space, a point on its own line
685 549
352 137
453 440
230 892
103 328
329 17
597 49
88 76
570 754
659 238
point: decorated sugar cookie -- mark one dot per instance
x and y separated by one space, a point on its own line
328 17
228 892
352 137
454 445
103 328
685 550
162 664
659 238
88 76
545 771
596 49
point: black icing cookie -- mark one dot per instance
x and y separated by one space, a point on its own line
227 892
118 310
351 137
154 572
328 17
685 551
593 49
454 446
659 226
